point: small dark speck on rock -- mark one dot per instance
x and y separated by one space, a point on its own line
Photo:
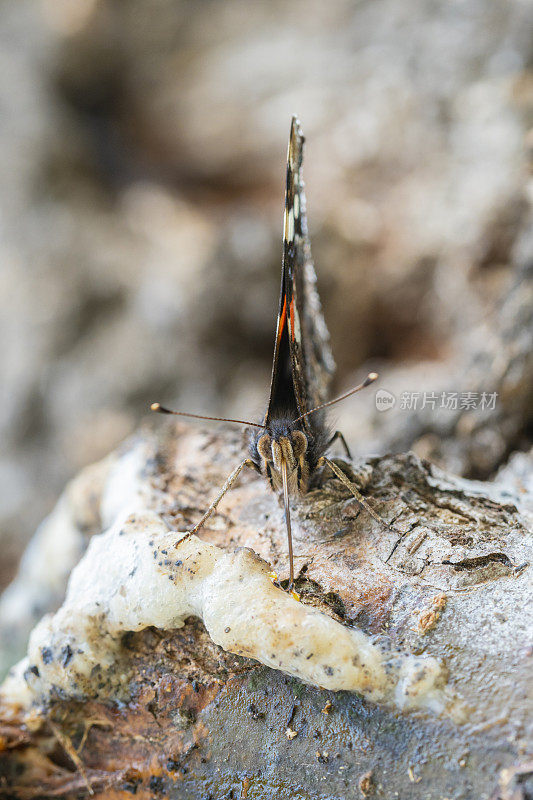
47 655
66 655
227 630
156 783
340 533
328 670
254 712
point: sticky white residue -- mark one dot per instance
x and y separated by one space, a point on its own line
124 489
56 547
88 505
137 575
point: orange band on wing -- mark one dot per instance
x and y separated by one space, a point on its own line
291 313
282 319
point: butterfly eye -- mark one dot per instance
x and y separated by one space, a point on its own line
299 443
264 447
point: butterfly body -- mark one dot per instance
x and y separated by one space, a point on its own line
290 444
288 437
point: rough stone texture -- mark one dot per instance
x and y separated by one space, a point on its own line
200 721
142 149
498 357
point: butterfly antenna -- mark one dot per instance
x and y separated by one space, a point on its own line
162 410
370 378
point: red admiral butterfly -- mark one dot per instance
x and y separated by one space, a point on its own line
289 446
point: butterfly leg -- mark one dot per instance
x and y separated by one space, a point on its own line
227 486
355 491
338 435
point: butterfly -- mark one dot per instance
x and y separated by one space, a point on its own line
290 445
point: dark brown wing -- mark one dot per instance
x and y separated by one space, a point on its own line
303 363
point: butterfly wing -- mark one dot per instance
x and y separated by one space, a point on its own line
303 364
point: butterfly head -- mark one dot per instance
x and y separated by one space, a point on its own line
278 448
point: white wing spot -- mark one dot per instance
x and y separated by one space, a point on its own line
297 331
289 225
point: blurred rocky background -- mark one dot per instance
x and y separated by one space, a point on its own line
142 147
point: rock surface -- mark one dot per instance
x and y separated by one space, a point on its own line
167 711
